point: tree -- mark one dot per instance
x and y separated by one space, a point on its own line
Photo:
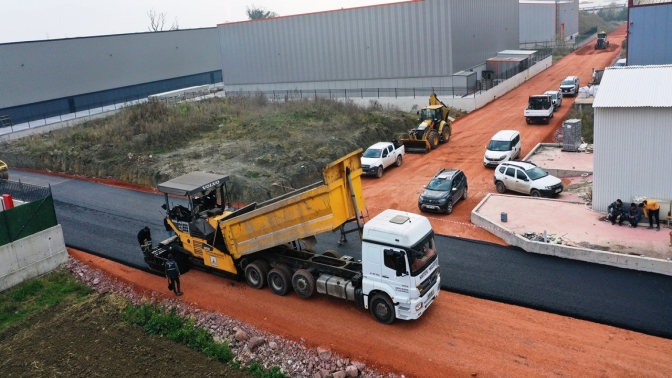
255 13
158 20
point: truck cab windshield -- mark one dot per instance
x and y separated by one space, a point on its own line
422 254
371 153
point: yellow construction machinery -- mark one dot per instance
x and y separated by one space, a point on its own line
435 127
602 41
272 242
4 171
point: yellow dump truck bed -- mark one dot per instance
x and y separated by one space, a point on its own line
307 212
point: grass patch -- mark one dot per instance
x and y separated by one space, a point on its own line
37 295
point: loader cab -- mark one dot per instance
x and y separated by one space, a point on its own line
431 113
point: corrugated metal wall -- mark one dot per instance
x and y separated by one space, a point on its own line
568 14
630 160
45 70
650 38
537 22
386 42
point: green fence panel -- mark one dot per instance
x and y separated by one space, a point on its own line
27 219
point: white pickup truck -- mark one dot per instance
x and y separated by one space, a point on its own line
380 156
539 109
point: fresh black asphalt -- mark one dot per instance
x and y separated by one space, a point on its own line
105 220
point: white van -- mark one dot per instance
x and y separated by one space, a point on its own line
620 63
504 146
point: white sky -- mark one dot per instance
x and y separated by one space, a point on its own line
29 20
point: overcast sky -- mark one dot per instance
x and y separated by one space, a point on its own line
28 20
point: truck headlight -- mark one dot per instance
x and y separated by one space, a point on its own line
418 306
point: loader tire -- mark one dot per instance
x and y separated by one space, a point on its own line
279 281
255 274
433 139
303 283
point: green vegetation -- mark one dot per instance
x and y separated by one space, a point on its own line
39 294
590 23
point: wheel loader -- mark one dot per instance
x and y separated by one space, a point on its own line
602 41
4 171
435 127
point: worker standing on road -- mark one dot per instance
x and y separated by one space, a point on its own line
616 212
633 215
145 239
173 275
651 210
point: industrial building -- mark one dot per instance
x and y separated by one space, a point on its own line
46 78
649 32
548 22
414 44
632 134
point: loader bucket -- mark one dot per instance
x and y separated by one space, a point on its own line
415 146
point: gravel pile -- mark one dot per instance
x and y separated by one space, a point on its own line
247 343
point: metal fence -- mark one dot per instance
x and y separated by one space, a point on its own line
572 44
37 214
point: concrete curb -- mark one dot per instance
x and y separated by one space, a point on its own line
645 264
557 172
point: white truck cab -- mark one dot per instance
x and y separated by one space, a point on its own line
400 266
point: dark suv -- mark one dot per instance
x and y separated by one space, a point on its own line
443 191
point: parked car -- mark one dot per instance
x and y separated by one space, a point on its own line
620 63
539 109
527 178
556 97
380 156
504 146
443 191
570 85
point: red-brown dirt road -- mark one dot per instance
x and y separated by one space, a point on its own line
459 336
400 187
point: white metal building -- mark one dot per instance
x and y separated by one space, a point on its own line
543 21
633 135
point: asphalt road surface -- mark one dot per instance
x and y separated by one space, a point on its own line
105 220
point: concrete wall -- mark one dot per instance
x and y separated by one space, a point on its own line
618 260
44 70
643 171
410 40
650 35
32 256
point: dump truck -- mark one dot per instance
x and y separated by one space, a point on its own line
602 41
4 171
435 127
271 243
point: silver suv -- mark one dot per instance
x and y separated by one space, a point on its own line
570 86
527 178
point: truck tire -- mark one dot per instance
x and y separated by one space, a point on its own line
303 283
279 281
399 161
331 253
501 188
382 308
535 193
379 172
255 274
433 139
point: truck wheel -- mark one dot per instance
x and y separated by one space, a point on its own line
535 193
449 207
279 281
255 274
382 308
303 283
433 139
501 188
379 172
331 253
398 162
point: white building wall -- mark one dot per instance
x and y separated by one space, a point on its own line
631 155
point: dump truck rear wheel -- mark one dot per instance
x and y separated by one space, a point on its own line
379 172
399 161
331 253
279 281
303 283
382 308
255 274
433 139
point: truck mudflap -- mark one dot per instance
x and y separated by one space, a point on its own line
156 258
416 146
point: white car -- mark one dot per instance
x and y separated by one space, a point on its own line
380 156
504 146
620 63
556 96
527 178
570 86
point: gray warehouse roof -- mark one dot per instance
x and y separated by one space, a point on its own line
635 87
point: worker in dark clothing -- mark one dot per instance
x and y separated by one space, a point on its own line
169 229
145 239
173 275
616 212
395 143
633 215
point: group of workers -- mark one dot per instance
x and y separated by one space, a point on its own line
617 213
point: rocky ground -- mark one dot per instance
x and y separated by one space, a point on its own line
90 339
